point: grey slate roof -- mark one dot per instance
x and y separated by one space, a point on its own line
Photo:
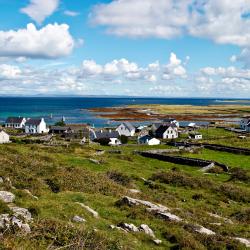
107 134
14 120
129 126
34 121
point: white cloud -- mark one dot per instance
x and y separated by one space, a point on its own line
244 57
71 13
39 10
51 41
174 68
223 21
9 71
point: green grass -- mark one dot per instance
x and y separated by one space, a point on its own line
74 178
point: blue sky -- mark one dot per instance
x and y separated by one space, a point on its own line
182 48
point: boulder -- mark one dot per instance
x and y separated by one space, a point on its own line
93 212
170 217
7 197
157 241
243 241
78 219
203 230
128 227
147 230
134 191
21 212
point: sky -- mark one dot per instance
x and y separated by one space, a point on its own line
158 48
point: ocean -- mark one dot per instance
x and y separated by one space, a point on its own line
74 109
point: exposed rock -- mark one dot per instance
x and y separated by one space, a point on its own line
7 197
226 220
147 230
134 191
1 180
21 212
93 212
7 222
99 152
246 242
170 217
128 227
157 241
94 161
203 230
151 206
119 228
78 219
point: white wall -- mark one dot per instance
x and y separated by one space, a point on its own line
170 133
122 129
4 137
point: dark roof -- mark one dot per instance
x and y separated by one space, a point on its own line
34 121
14 120
107 134
59 128
161 130
146 137
129 126
169 120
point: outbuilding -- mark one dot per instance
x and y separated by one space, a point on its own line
4 137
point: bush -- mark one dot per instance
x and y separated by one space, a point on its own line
124 139
120 178
177 178
53 185
240 175
103 141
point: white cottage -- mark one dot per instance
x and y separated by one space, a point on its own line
126 129
15 122
169 131
4 137
245 124
195 136
148 140
35 126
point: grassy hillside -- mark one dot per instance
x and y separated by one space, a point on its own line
62 176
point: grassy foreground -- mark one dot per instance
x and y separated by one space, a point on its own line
61 176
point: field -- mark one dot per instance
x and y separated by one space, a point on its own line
99 176
179 112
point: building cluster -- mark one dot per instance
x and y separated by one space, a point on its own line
153 134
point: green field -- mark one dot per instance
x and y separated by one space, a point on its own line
62 176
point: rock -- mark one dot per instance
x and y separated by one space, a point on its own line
151 206
1 180
246 242
7 197
134 191
170 217
78 219
7 221
203 230
21 212
226 220
94 161
93 212
157 241
128 227
215 224
147 230
99 152
119 228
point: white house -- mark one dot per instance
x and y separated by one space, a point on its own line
114 142
126 129
148 140
35 126
4 137
195 136
245 124
169 131
15 122
171 121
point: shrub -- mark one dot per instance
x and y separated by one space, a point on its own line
103 141
240 175
178 178
242 216
124 139
53 185
120 178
